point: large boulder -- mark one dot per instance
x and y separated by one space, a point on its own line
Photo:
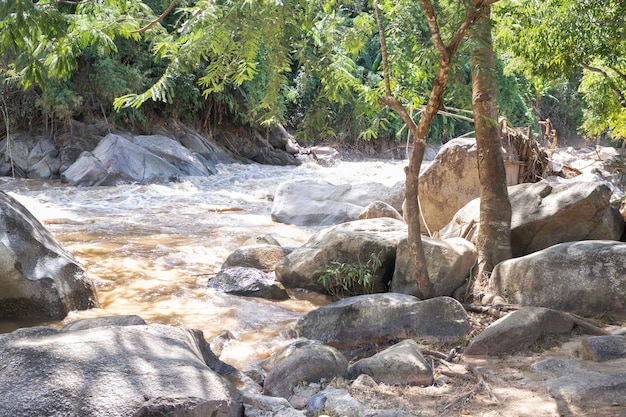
349 243
376 318
190 163
302 361
259 256
319 203
587 278
449 182
400 364
519 330
124 371
448 263
38 278
124 162
547 213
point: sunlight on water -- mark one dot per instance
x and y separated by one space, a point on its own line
151 249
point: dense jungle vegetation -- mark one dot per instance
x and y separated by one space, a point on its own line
314 66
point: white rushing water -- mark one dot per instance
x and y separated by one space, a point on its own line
150 249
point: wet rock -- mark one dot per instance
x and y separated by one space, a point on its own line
604 348
262 256
112 371
382 317
519 330
448 262
350 243
38 278
578 385
400 364
320 203
93 322
248 282
585 278
124 162
302 361
378 209
547 213
325 155
262 240
188 162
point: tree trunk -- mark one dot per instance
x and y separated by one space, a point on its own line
494 236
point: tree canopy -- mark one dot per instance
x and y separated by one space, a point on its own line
314 65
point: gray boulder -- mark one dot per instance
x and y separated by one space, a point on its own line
449 182
519 330
448 262
248 282
400 364
320 203
378 209
579 386
124 162
382 317
38 278
259 256
546 213
586 278
188 162
350 243
113 371
604 348
257 405
302 361
92 322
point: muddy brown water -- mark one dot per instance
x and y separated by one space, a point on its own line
150 249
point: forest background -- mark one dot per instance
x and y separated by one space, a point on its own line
313 66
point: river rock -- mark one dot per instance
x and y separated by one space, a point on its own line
319 203
260 256
519 330
586 278
257 405
38 278
112 371
248 282
378 209
547 213
604 348
374 318
349 243
188 162
400 364
14 155
449 182
302 361
576 385
124 163
448 263
93 322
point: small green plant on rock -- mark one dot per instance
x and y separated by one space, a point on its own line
343 279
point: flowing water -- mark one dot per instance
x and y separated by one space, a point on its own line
150 249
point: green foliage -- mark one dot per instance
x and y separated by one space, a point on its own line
348 279
554 40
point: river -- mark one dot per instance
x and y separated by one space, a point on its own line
150 249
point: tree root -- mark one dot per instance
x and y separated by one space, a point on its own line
480 385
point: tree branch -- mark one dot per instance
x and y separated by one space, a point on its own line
616 90
433 26
158 19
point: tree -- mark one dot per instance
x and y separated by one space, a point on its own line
559 38
420 130
494 233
